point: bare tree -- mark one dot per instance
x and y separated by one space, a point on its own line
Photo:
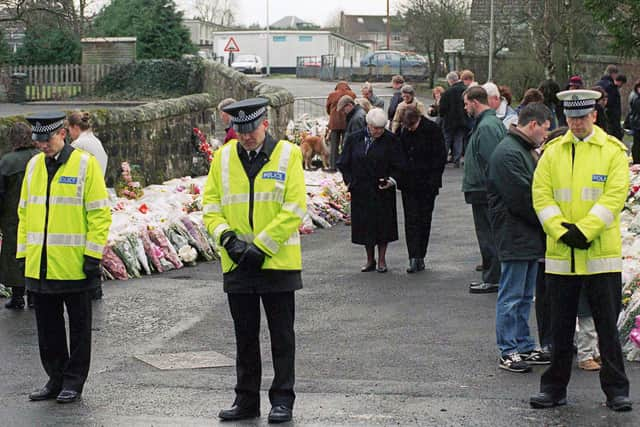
69 12
217 12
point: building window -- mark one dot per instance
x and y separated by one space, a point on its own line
279 39
305 38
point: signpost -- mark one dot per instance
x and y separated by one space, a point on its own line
452 48
231 47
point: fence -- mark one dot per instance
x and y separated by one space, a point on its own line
315 106
54 82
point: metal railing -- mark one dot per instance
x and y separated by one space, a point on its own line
314 106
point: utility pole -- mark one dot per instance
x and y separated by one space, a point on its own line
388 28
268 43
491 44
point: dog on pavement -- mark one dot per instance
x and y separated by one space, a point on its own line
312 145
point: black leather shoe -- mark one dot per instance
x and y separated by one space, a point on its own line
97 294
421 265
45 393
31 301
546 400
280 414
15 303
483 288
238 413
68 396
413 265
369 267
620 404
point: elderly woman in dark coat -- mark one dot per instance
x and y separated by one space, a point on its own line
12 168
370 164
423 145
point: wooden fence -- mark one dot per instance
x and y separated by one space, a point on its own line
55 82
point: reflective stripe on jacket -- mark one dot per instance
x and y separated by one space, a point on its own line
78 217
279 204
586 187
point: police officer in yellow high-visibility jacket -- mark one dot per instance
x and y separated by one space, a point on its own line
64 220
254 202
579 188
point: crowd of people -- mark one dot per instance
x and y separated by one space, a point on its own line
546 182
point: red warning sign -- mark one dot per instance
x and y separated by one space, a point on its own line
232 46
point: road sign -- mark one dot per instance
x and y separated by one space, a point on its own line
232 46
453 45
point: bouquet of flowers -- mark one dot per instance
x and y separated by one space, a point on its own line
128 187
203 146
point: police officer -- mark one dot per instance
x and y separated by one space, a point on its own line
579 188
64 220
254 201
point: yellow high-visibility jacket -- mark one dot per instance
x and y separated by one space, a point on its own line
585 183
278 200
78 216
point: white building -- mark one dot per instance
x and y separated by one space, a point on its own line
287 45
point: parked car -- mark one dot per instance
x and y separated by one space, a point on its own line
393 58
247 64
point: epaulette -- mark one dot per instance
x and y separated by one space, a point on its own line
550 143
616 141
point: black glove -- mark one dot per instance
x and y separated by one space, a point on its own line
91 267
234 246
574 237
21 265
252 258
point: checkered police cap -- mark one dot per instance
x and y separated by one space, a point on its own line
247 115
44 124
578 103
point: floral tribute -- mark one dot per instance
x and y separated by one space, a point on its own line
203 146
129 186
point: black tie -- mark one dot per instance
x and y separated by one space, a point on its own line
252 156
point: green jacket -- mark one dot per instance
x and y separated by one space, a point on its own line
485 137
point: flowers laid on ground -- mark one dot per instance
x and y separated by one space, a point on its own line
203 146
129 185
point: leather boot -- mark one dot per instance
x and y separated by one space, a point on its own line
421 265
413 265
15 303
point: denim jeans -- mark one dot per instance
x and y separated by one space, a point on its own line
515 297
454 140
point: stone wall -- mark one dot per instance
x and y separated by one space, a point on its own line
158 136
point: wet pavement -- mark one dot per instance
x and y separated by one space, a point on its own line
372 349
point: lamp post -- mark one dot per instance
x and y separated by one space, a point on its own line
268 43
491 44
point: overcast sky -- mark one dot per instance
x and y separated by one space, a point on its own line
317 12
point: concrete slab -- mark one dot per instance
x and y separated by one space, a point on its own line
186 360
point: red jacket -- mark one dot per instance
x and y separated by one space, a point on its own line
337 119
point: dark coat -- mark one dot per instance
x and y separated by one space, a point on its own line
452 108
516 229
601 119
393 104
12 168
426 156
614 106
356 120
373 211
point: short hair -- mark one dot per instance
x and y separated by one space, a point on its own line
367 86
364 103
611 69
377 118
477 93
505 92
408 89
410 116
453 76
344 101
397 79
531 96
20 136
549 88
492 89
467 75
82 119
437 89
537 112
225 102
621 78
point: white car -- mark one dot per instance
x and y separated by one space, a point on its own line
247 64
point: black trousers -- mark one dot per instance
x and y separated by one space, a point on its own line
486 242
543 308
635 148
280 310
67 366
604 295
335 142
418 209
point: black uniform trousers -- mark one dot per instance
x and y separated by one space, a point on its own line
280 310
418 209
486 242
67 366
543 308
604 295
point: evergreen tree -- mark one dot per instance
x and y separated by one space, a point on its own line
156 24
46 45
5 51
622 20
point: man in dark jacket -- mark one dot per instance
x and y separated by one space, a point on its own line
12 169
423 146
396 82
518 235
486 135
614 108
356 116
454 118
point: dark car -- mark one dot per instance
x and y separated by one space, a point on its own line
392 58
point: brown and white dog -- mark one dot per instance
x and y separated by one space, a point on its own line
312 145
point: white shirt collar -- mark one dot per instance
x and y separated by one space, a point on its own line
576 139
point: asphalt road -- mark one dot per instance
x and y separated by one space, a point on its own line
372 349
